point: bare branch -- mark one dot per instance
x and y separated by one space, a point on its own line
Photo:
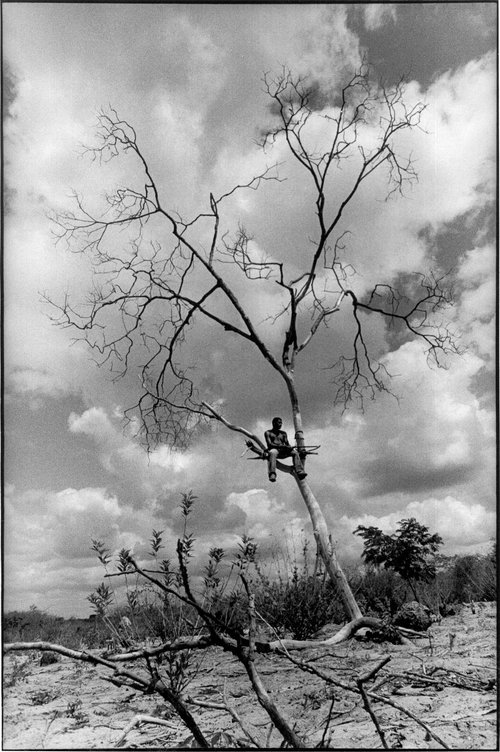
142 718
423 317
121 675
418 315
361 101
327 677
232 427
366 702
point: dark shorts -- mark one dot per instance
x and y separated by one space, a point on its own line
283 451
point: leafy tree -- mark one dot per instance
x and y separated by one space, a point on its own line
406 551
149 297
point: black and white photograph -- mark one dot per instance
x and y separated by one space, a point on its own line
249 375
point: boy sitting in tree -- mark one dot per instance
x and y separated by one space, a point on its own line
279 448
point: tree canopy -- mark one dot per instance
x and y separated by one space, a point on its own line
160 277
408 551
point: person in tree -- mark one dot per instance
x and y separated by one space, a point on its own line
279 447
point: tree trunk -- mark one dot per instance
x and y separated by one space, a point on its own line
332 565
320 529
413 590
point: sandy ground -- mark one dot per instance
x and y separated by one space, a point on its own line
448 681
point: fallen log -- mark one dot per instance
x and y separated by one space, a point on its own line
203 641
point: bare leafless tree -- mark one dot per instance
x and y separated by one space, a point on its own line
147 298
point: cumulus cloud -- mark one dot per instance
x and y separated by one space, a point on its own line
93 422
454 519
376 15
438 429
476 311
142 476
216 468
48 552
264 514
52 524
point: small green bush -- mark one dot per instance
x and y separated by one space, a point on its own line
19 672
296 597
472 577
301 606
379 591
43 696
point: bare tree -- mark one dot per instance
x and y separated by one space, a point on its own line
147 298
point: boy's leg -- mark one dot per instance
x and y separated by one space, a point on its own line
271 464
297 465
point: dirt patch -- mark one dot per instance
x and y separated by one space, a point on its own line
447 680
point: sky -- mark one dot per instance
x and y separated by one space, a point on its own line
189 79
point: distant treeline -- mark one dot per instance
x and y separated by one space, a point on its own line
35 625
298 602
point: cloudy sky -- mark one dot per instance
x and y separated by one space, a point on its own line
189 78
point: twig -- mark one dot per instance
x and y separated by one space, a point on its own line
226 707
251 619
140 718
193 642
238 720
411 715
269 734
415 675
369 710
366 702
263 697
327 722
330 680
374 670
